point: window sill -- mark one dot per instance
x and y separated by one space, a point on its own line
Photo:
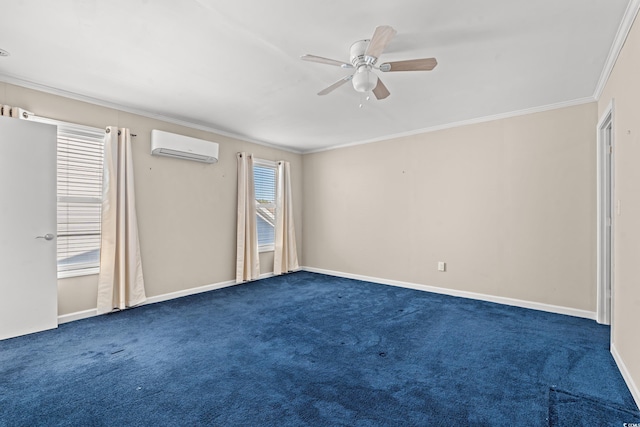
266 248
78 273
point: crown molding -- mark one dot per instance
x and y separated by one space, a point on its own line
474 121
7 78
621 36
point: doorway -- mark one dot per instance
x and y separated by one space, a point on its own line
605 171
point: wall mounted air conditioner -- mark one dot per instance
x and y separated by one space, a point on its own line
183 147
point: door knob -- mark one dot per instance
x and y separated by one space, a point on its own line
46 237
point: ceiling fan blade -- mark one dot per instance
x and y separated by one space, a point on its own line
381 91
321 60
425 64
381 37
335 85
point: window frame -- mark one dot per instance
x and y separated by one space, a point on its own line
270 165
78 130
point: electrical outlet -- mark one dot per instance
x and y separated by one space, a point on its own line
442 266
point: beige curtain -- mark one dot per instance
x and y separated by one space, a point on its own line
285 257
120 283
247 261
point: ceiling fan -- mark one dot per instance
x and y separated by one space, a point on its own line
364 55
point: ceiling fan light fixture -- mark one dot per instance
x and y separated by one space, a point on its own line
364 80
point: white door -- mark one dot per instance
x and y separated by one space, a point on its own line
28 282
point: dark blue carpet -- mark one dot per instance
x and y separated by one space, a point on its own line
307 350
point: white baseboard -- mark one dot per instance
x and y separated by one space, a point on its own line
633 387
464 294
438 290
65 318
187 292
78 315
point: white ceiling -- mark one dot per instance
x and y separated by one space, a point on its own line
233 65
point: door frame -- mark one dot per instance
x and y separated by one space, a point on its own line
605 200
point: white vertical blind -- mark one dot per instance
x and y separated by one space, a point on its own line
264 176
80 157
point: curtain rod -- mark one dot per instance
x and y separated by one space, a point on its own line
275 162
107 130
28 114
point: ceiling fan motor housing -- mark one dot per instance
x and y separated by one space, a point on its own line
357 53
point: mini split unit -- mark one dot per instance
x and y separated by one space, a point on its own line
183 147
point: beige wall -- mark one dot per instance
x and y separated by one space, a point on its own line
623 87
186 210
508 204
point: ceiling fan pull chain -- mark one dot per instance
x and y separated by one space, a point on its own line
364 97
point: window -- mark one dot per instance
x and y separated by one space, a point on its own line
264 177
79 178
80 156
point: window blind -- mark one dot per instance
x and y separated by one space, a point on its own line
264 178
79 167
